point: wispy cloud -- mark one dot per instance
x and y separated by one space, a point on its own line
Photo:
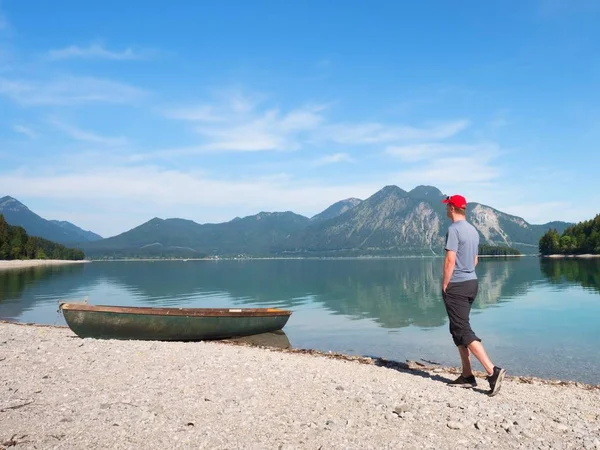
377 133
427 151
172 193
237 124
232 105
534 211
334 159
245 123
25 131
86 136
272 130
473 170
201 113
453 172
95 51
69 90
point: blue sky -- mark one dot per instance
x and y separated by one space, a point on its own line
112 113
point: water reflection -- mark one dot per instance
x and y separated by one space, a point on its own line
564 271
14 282
273 339
394 293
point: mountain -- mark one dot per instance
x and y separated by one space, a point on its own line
498 228
396 222
336 209
428 193
391 222
16 213
253 235
85 235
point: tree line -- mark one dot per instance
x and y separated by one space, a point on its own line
15 243
578 239
497 250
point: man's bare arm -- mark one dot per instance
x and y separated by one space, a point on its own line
449 264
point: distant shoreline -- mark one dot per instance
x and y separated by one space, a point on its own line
249 258
584 256
25 263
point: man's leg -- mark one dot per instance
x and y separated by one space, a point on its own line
477 349
495 374
465 357
457 308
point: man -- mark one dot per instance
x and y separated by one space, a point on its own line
459 289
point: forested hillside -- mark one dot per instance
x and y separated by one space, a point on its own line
15 243
582 238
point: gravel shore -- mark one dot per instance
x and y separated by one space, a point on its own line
60 391
24 263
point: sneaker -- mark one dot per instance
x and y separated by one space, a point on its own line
495 380
465 382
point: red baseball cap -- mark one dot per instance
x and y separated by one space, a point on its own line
458 201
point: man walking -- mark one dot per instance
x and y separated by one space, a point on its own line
459 289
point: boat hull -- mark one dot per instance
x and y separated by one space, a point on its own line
171 324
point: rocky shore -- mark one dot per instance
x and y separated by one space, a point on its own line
24 263
60 391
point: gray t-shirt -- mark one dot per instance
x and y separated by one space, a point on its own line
462 237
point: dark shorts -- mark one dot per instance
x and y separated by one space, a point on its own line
458 300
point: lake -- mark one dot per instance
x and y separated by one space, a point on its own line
536 317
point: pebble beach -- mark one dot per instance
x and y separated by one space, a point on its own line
60 391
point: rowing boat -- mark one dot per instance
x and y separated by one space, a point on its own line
170 324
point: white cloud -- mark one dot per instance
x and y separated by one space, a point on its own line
473 172
242 123
334 159
25 131
127 195
535 212
236 124
69 90
425 151
94 51
201 113
452 171
125 192
270 131
464 168
377 133
87 136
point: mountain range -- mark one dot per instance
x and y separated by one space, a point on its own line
391 222
16 213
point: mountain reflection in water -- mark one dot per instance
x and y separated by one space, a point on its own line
395 293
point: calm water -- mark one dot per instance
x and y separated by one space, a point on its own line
536 317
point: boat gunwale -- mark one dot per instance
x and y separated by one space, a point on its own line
193 312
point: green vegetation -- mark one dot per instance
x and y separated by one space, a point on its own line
15 243
585 272
578 239
497 250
